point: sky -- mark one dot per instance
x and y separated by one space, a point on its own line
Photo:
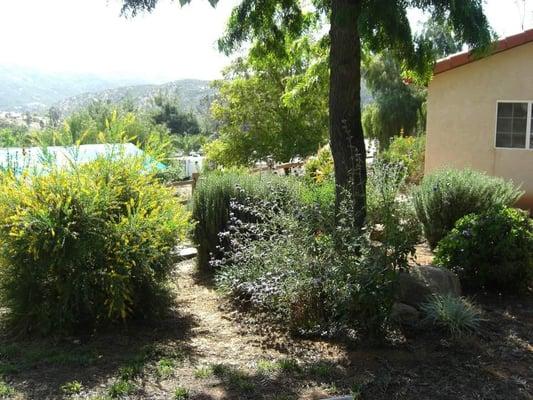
173 42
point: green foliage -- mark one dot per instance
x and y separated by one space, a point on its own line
279 265
72 388
266 107
318 205
391 218
203 372
103 122
120 388
397 108
492 250
173 173
187 144
86 246
165 367
457 315
14 136
447 195
440 33
6 391
376 24
211 204
181 393
319 168
410 152
168 113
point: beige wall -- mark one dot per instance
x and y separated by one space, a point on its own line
461 121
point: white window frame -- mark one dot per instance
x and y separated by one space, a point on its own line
528 125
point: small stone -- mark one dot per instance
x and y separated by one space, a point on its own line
404 313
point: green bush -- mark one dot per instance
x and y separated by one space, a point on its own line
318 205
408 151
307 280
447 195
211 204
86 246
492 250
391 218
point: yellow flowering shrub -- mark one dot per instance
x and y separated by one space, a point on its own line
86 246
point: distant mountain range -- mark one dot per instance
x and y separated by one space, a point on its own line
26 89
23 89
193 96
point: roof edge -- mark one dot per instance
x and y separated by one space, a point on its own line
466 57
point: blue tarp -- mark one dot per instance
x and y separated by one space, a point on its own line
38 159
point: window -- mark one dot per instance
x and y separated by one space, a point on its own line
514 125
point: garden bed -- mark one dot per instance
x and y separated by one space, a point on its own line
210 351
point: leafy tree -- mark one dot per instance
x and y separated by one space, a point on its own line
14 136
397 107
380 24
168 113
266 109
54 116
439 32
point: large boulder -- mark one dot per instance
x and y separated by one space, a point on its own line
417 285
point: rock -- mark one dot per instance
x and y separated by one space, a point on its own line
340 398
423 281
404 313
187 253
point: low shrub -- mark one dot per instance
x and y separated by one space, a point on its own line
86 246
390 214
173 173
314 284
457 315
447 195
492 250
211 204
408 151
318 205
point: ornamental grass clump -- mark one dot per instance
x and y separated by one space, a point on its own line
447 195
86 246
459 316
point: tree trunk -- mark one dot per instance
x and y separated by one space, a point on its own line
346 131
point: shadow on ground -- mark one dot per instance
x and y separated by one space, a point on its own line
37 367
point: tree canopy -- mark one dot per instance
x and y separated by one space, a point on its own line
379 25
398 101
167 112
267 107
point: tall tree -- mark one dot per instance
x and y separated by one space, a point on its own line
268 107
178 122
380 24
397 106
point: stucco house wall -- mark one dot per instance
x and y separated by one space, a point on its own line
461 116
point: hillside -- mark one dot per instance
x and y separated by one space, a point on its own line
191 93
26 89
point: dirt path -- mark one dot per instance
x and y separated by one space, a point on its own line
220 336
217 337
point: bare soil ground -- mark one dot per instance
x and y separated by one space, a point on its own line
210 351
